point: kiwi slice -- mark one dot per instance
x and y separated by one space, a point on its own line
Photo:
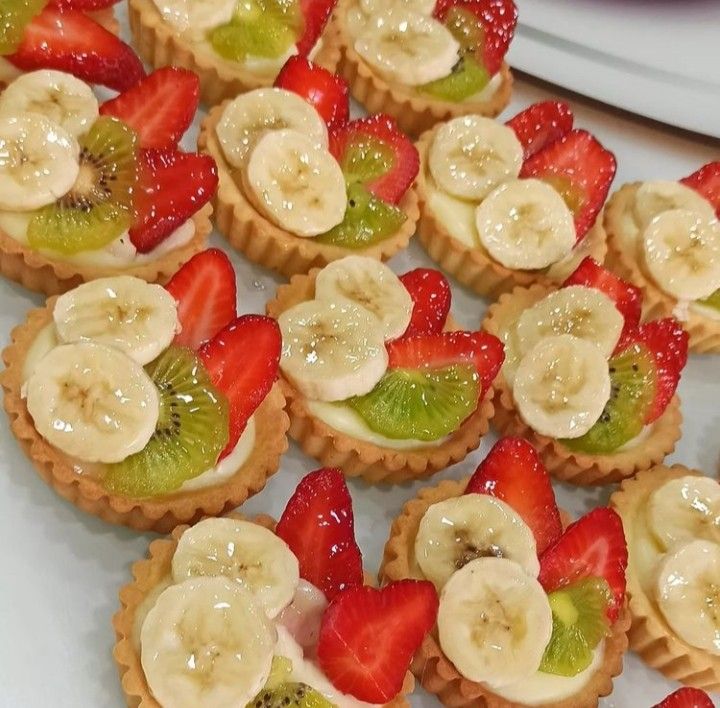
99 207
580 622
467 78
287 695
712 301
280 672
192 430
15 15
366 158
265 37
419 404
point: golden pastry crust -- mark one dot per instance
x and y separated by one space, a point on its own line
432 668
268 245
358 458
147 574
564 464
414 112
159 44
704 332
650 635
159 514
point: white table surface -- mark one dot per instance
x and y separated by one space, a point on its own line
62 569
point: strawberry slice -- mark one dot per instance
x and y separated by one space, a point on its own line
431 296
667 343
243 359
627 298
159 108
84 5
514 473
368 637
206 294
315 14
374 152
581 169
318 526
706 181
172 186
483 350
687 698
541 124
327 93
70 41
592 546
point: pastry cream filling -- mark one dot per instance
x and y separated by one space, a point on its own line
8 72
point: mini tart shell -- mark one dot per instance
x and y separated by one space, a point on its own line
414 112
159 514
147 574
564 464
268 245
159 44
432 668
650 635
473 267
704 332
358 458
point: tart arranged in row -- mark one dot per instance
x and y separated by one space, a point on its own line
584 381
149 406
378 381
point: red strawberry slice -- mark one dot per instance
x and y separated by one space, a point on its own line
541 124
368 637
581 169
627 298
592 546
315 14
70 41
431 296
243 359
172 186
159 108
318 526
514 473
327 92
84 5
706 181
687 698
667 343
206 294
483 350
375 152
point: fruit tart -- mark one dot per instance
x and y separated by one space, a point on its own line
300 184
93 190
584 381
687 698
514 204
530 614
149 406
379 381
247 612
423 61
664 237
672 522
233 46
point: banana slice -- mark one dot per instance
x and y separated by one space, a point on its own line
688 593
92 402
124 312
242 551
470 156
653 198
422 7
206 643
561 386
248 116
370 284
195 17
494 622
456 531
684 509
408 47
60 97
295 184
682 253
332 351
585 313
39 162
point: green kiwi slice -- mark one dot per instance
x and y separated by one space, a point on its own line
192 430
15 15
712 301
265 37
467 78
288 695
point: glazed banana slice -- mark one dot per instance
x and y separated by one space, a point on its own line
92 402
196 17
561 386
653 198
494 622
